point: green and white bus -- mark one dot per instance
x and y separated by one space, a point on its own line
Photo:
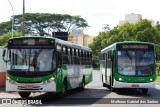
129 64
45 64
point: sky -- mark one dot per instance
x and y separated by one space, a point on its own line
96 12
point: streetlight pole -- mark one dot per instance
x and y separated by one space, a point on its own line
23 31
12 17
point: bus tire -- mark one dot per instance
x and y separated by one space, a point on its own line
82 84
144 90
111 88
104 85
24 94
64 89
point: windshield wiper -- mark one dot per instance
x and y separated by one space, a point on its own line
34 61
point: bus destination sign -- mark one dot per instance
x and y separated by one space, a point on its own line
134 46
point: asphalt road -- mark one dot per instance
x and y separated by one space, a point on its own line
97 96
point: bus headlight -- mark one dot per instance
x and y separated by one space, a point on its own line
120 79
151 79
48 81
52 78
7 77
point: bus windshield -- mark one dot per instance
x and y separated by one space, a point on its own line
135 62
31 60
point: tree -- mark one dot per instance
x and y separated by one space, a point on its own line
45 23
5 27
4 38
106 27
96 46
140 31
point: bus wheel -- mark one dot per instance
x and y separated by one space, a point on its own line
145 90
111 88
82 84
24 94
64 89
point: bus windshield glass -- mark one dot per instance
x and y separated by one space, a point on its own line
31 60
136 62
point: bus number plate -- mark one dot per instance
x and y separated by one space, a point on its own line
28 87
135 86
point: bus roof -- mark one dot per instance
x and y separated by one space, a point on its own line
66 43
124 42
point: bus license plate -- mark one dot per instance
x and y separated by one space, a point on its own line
28 87
135 86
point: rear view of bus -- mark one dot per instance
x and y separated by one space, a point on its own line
133 65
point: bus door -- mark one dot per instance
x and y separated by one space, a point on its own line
106 60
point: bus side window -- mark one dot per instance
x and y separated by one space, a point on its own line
69 55
103 60
106 59
64 54
73 54
109 59
82 57
80 60
87 58
85 54
59 55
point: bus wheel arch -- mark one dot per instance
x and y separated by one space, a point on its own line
64 88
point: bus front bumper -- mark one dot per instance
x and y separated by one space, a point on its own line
118 84
31 87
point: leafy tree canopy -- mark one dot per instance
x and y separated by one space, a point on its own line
140 31
4 38
44 23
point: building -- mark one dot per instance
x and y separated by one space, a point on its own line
77 37
133 18
87 40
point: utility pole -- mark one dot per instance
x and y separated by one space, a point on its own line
12 17
23 28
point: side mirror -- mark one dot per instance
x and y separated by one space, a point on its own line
4 55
